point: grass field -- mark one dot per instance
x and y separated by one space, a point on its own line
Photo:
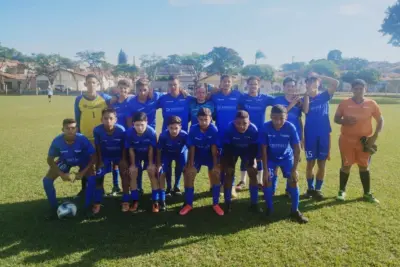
353 233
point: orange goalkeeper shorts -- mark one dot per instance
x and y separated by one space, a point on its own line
352 152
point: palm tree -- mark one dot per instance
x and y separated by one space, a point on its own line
259 55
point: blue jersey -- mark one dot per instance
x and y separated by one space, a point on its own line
175 106
256 107
294 114
203 141
141 143
225 109
123 110
74 154
111 145
170 145
317 118
240 141
149 107
195 107
279 142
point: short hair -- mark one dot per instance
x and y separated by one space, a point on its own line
139 116
278 109
288 80
172 78
358 82
142 82
68 121
253 78
124 82
204 112
91 76
108 110
242 114
311 79
174 120
225 76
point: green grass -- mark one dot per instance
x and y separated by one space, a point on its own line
353 233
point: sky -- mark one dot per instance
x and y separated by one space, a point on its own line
283 29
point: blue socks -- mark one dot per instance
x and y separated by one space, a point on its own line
215 193
48 185
115 175
268 197
140 178
126 198
178 175
274 183
135 195
189 195
318 184
154 195
161 195
295 196
98 195
90 189
228 195
253 194
310 183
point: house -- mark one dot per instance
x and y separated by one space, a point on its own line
16 76
185 73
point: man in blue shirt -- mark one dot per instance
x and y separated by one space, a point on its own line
240 140
172 147
279 139
255 104
109 139
317 131
200 102
203 143
141 141
71 149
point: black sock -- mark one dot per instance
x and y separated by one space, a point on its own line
84 182
366 181
344 177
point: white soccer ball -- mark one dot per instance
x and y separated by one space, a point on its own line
66 209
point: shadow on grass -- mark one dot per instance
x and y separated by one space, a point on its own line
117 235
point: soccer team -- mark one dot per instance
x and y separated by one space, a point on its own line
117 134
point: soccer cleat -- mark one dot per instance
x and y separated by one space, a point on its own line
115 190
51 215
370 198
134 206
241 186
228 207
185 210
177 191
310 193
318 195
234 193
163 206
96 209
298 217
156 207
80 194
255 208
168 192
341 196
125 206
267 213
218 210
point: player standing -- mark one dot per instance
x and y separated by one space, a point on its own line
355 115
49 93
198 103
88 109
203 142
281 149
317 131
72 149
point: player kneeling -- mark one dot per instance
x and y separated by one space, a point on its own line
72 149
141 140
240 140
203 151
109 139
279 139
171 147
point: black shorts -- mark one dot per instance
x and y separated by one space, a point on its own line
49 96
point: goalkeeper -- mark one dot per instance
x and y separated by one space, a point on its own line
357 139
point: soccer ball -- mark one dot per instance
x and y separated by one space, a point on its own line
66 210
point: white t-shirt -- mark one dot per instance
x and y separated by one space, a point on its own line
49 92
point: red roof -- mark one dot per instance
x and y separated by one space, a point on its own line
15 76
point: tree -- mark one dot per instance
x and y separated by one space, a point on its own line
259 55
66 63
370 76
150 63
95 60
391 24
265 72
122 58
198 62
128 71
349 76
295 66
335 55
224 61
322 66
353 63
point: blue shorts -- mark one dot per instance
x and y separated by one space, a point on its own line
108 165
168 158
142 160
66 168
208 162
285 165
318 147
243 166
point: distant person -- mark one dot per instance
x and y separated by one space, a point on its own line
357 139
49 93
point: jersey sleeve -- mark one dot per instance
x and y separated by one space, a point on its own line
215 138
77 112
88 146
106 97
153 139
128 136
262 136
161 142
324 97
190 138
96 136
268 100
377 112
254 136
53 150
294 136
340 109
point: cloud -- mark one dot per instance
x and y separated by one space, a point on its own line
351 10
179 3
